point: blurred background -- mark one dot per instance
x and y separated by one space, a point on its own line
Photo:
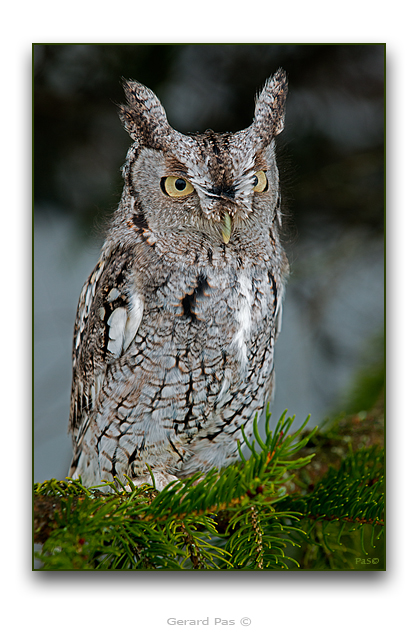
330 354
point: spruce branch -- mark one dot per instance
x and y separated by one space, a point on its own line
256 514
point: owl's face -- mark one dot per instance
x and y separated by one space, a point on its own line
216 184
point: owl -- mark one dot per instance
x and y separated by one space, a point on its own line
176 326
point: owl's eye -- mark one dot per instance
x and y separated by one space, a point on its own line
176 187
260 182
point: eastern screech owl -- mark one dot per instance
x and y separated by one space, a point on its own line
175 329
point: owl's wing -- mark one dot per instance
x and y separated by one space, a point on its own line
109 314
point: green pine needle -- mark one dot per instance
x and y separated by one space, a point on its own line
248 516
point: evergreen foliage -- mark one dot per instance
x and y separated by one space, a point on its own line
279 509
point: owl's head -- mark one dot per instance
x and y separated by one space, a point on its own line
218 184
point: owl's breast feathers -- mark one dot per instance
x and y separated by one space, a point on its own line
187 350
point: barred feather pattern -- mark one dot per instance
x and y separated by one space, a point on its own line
176 326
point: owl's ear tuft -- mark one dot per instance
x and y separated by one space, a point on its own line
270 108
143 117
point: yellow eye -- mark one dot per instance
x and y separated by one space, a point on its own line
176 187
260 182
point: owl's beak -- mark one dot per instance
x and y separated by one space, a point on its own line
226 228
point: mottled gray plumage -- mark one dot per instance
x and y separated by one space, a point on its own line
175 328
